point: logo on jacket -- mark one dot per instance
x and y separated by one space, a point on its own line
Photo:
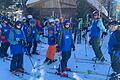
67 37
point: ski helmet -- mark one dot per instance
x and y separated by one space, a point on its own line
115 23
18 22
29 16
96 13
23 18
66 23
57 20
51 20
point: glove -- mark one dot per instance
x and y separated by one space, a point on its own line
73 49
90 42
58 48
73 46
21 41
104 34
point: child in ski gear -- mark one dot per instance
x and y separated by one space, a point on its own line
66 44
24 26
17 43
51 42
114 46
32 37
5 30
95 35
58 29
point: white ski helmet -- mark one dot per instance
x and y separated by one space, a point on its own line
29 16
51 20
23 18
57 20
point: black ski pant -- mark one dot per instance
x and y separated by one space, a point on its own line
3 49
95 42
115 64
63 63
17 61
30 44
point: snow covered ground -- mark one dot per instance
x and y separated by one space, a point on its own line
80 53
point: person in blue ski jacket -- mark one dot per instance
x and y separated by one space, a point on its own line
51 42
114 46
17 43
24 26
66 44
32 37
97 28
5 30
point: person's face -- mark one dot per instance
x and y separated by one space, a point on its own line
96 16
113 28
67 25
24 21
5 21
19 26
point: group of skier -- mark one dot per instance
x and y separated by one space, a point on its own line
21 36
24 35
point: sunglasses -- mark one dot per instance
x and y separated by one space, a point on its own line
67 24
95 15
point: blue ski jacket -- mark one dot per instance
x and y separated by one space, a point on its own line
51 36
15 36
97 28
114 43
66 40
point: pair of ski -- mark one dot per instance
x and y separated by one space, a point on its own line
21 75
69 77
7 59
81 60
88 72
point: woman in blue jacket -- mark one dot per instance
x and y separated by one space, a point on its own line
66 44
114 47
17 41
97 28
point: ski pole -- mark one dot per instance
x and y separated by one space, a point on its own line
60 58
116 59
30 59
108 72
86 46
75 58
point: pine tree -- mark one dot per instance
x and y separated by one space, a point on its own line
5 3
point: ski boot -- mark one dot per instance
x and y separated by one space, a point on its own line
62 74
46 60
67 69
20 70
51 61
13 71
114 76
